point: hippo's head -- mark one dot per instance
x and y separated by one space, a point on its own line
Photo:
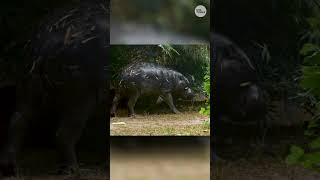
183 88
238 92
249 105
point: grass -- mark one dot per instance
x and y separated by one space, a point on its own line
206 124
188 123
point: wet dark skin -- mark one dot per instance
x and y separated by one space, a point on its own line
150 79
238 92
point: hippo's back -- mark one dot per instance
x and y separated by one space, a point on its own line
149 71
68 50
149 77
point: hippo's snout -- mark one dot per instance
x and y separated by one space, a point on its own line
188 93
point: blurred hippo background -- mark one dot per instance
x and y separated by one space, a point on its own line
144 76
248 103
238 91
260 108
55 89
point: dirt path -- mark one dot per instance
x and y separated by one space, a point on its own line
185 124
159 166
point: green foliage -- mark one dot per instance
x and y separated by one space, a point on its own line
168 50
206 124
315 144
313 127
296 154
314 23
279 73
309 48
205 110
310 160
206 84
310 82
311 79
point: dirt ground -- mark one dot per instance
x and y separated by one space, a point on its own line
168 165
189 123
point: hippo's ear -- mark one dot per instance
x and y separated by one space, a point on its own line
182 83
231 65
190 78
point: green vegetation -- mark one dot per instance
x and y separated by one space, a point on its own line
206 85
309 156
206 124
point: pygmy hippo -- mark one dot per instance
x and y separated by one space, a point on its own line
238 92
150 79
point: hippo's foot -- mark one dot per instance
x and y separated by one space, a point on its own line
177 112
7 167
133 115
71 170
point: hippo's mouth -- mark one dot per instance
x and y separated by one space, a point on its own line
188 96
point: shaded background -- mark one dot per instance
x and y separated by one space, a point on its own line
272 34
19 20
158 21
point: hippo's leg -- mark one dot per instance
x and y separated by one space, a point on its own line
264 126
159 100
169 100
115 103
132 102
69 131
17 130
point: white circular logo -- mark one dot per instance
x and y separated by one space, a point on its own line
200 11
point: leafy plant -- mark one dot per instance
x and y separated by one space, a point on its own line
206 84
310 158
